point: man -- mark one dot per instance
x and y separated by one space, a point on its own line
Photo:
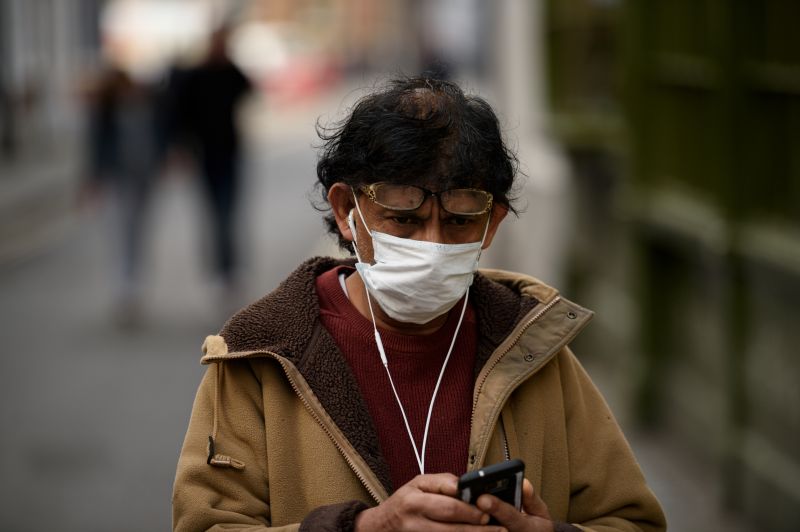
354 395
204 103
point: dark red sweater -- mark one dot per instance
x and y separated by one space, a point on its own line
415 363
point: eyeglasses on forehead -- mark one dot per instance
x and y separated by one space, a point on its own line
397 197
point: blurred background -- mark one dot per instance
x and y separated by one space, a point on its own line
660 143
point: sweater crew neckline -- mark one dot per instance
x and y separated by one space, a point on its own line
395 344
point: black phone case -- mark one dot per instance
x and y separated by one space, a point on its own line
503 480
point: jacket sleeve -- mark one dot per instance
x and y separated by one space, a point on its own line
608 491
225 486
206 496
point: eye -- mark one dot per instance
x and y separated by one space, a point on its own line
403 220
460 220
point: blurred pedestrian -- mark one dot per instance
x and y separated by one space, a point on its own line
352 396
124 148
205 99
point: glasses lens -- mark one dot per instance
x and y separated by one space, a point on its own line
465 201
398 197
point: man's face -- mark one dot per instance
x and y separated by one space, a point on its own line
429 222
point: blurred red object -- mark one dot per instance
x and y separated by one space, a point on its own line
301 79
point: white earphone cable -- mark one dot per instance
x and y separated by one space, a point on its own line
419 455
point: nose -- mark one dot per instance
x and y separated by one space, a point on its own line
432 230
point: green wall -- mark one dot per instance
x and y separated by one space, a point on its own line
686 151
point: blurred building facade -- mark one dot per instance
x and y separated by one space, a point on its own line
682 121
44 48
43 45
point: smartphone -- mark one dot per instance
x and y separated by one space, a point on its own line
503 480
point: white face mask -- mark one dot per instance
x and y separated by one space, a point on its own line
413 280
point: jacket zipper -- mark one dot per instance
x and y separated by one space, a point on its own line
314 415
325 429
497 360
510 345
506 451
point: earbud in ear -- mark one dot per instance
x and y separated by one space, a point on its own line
352 225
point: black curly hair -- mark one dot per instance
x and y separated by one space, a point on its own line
418 131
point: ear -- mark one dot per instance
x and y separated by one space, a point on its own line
340 198
499 212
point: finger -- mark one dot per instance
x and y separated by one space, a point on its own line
433 526
416 522
505 513
444 483
444 508
532 503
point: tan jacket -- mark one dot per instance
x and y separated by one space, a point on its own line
279 432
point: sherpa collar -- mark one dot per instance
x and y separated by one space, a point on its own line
284 321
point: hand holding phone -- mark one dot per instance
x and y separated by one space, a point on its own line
503 480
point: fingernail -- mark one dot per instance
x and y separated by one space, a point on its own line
485 519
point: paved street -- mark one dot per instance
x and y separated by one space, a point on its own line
93 415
